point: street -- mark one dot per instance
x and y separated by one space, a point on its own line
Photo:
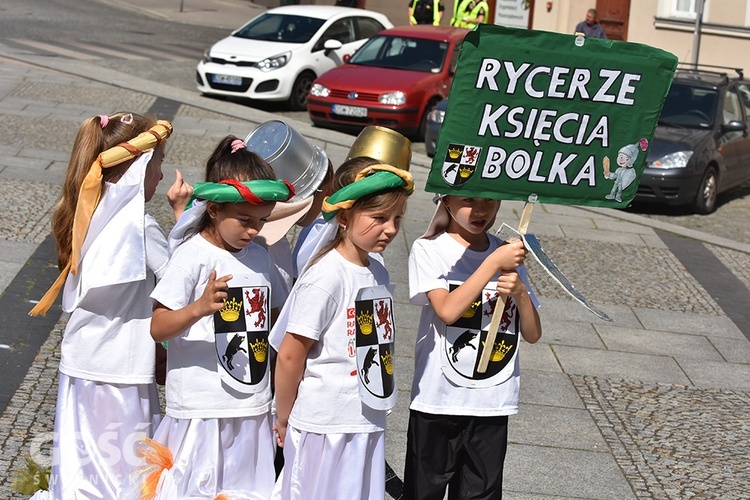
651 405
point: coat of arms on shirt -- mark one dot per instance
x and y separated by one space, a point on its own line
375 336
241 338
464 340
460 163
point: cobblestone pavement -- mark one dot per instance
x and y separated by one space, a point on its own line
27 423
598 275
681 437
664 448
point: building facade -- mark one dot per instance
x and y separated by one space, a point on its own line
667 24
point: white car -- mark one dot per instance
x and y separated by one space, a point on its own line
277 55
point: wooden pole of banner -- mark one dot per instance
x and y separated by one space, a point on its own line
497 315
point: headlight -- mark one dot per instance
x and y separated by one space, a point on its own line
274 62
207 56
436 116
319 90
393 98
674 160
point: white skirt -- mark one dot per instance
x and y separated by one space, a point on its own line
96 428
231 456
332 466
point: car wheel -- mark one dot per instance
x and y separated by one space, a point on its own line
300 91
705 198
423 123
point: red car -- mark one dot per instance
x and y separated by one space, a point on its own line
394 80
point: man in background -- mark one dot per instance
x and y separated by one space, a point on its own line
469 13
591 27
425 12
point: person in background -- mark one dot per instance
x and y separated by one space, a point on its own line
469 13
590 26
426 12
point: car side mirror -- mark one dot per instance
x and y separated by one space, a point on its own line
346 57
734 126
332 44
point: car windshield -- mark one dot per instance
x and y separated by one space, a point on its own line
415 54
281 28
689 106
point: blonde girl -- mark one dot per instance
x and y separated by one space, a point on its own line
110 253
334 373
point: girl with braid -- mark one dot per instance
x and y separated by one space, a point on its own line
335 340
110 253
215 305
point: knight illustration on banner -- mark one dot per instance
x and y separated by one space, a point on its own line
625 174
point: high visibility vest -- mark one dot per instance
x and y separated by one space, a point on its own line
435 12
460 12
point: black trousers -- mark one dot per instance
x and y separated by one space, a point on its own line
464 454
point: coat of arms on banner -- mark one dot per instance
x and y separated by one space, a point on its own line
375 337
464 340
460 163
241 338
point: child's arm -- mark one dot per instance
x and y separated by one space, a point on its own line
179 194
449 306
290 366
167 324
510 284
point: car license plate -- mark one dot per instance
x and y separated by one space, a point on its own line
227 79
340 109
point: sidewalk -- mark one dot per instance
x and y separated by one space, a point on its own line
652 405
230 14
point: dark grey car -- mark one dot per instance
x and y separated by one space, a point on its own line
432 129
701 146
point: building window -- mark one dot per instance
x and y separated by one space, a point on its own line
682 9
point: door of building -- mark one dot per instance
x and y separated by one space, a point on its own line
613 16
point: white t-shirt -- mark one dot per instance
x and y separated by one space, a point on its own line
431 263
307 241
320 307
194 387
281 255
107 338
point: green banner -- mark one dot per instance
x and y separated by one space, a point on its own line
567 118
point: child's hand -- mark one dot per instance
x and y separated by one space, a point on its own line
213 296
280 433
179 194
509 284
510 255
